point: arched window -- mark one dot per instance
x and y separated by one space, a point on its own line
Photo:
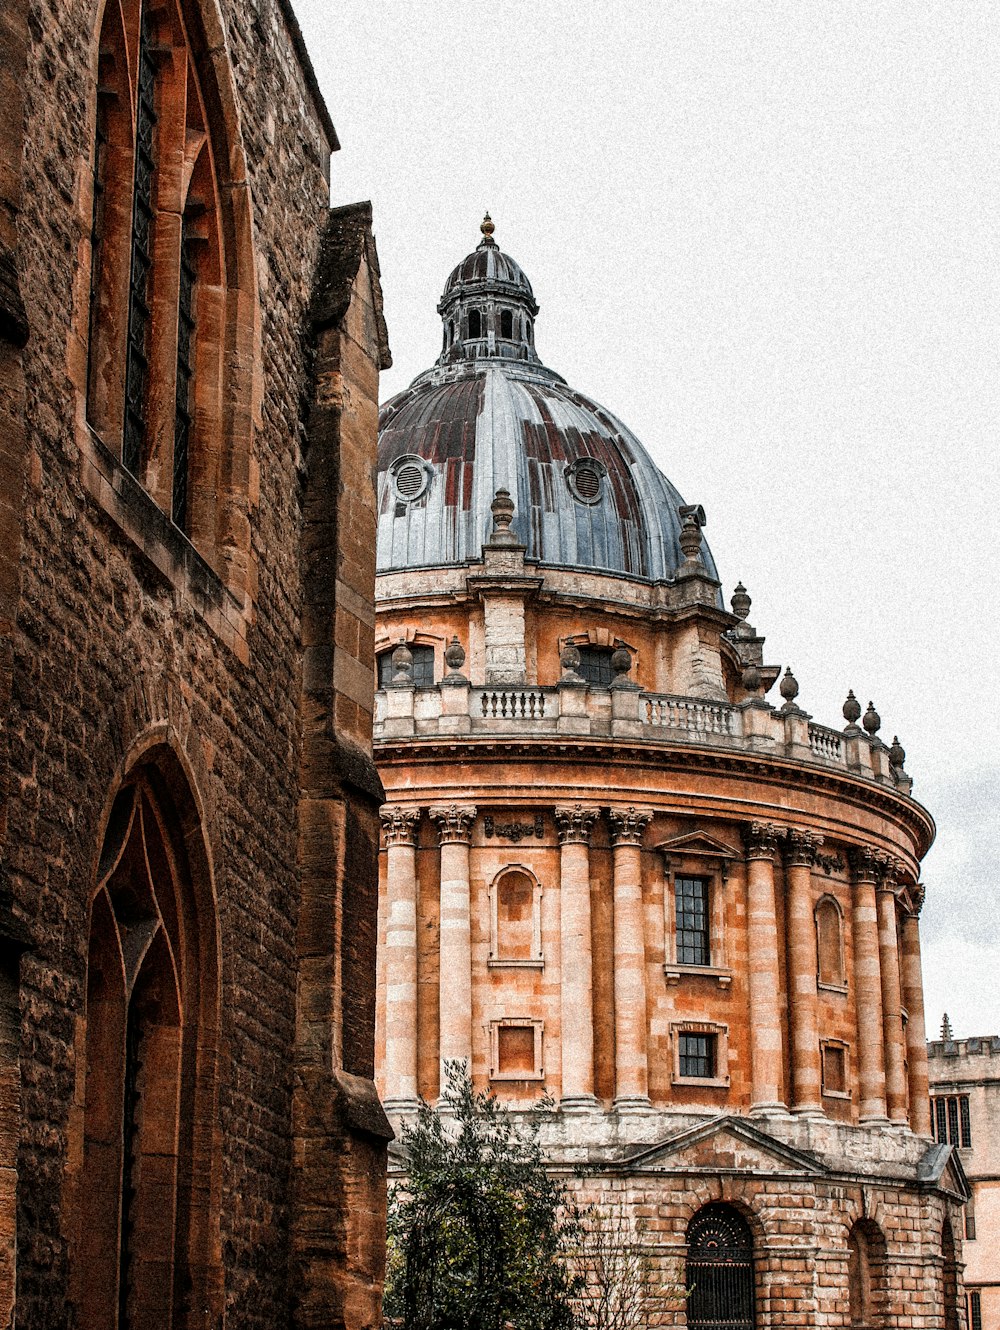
830 943
148 1110
506 324
162 329
515 914
475 323
719 1270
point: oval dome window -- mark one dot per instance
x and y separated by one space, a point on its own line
411 481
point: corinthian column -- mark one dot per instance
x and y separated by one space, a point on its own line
631 1067
400 956
765 1017
800 855
892 1015
916 1035
576 964
455 983
868 988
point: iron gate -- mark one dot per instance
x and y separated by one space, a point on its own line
720 1270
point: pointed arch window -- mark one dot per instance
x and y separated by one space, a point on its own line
162 380
147 1115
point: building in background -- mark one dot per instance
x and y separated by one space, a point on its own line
190 343
964 1076
613 872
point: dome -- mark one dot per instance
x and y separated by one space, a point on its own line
490 415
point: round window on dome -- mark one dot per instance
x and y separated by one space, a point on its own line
410 478
585 478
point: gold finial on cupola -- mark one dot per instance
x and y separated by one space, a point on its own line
487 227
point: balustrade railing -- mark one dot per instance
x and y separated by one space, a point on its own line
825 743
689 713
509 704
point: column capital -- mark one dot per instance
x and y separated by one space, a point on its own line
802 847
628 824
454 822
575 824
761 839
890 871
864 863
399 824
916 896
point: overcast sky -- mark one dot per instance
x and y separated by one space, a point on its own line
766 236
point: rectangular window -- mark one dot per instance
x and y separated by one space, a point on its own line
422 670
951 1120
691 895
696 1055
834 1069
975 1312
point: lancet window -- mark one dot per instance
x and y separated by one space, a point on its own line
157 364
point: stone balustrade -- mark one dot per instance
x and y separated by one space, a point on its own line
458 708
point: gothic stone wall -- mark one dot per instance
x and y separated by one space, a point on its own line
112 651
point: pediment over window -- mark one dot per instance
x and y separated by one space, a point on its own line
725 1143
698 843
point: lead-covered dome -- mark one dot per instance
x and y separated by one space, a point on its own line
490 416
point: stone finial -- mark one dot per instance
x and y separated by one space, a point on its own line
692 517
751 678
946 1031
502 509
741 602
789 688
569 659
897 753
852 710
872 721
454 658
402 666
621 663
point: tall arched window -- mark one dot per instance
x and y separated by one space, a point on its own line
150 1018
158 368
475 323
719 1270
506 324
830 943
949 1278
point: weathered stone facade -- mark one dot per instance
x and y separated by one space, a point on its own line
964 1079
189 806
615 873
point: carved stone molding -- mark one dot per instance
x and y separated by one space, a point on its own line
628 824
802 847
454 822
864 864
761 839
576 824
890 872
400 824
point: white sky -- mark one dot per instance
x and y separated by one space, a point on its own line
766 235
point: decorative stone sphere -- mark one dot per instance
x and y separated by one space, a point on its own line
569 659
872 720
621 660
751 678
897 753
852 708
402 662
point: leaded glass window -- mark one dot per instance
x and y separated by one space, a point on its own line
691 896
423 667
595 666
137 352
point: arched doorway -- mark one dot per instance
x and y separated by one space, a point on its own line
719 1270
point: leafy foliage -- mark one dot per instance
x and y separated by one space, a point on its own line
479 1233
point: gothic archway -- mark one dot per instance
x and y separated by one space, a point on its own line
719 1270
150 1027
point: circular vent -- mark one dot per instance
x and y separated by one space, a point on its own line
411 480
584 479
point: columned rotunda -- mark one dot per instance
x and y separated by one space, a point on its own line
615 873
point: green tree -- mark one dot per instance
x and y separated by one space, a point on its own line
479 1234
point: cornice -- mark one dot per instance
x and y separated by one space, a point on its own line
433 750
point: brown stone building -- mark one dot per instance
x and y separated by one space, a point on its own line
190 344
965 1114
614 872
